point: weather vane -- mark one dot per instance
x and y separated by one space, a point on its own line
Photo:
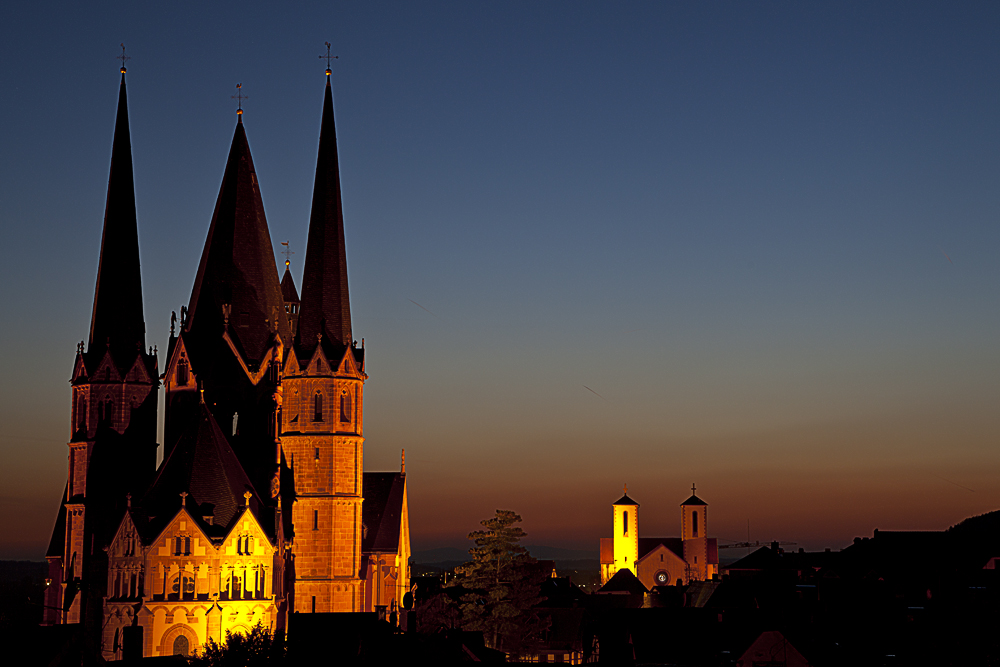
240 97
124 58
287 252
328 58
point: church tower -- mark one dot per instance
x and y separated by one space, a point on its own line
112 449
694 517
626 536
694 537
234 331
322 434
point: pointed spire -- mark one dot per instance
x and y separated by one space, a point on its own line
117 319
326 306
237 273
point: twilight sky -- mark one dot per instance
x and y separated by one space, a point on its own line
765 235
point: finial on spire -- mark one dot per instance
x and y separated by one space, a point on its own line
124 58
247 494
328 58
692 488
402 465
287 252
128 500
183 495
626 489
239 97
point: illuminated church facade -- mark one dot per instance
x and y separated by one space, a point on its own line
260 507
660 561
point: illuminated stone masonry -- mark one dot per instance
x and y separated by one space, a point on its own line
260 507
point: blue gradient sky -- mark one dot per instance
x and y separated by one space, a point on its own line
765 233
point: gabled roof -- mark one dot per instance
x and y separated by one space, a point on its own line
237 267
624 581
625 500
117 315
693 500
326 307
382 511
648 544
204 465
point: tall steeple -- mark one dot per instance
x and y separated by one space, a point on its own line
117 316
326 307
236 289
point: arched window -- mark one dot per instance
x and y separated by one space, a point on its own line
318 407
345 406
182 586
625 523
187 546
232 586
694 524
182 373
181 646
178 546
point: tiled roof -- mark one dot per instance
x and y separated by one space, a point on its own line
204 465
382 511
117 315
237 268
624 581
326 307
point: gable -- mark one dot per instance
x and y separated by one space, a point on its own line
183 525
235 543
662 554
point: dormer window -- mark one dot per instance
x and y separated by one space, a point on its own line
345 406
318 407
182 373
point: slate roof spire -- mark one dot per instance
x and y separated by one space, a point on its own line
326 307
117 317
236 288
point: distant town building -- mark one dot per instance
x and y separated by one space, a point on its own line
660 561
260 507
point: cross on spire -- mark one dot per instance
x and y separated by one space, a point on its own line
239 96
692 488
328 58
287 252
124 58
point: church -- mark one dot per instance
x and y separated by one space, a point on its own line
260 507
660 561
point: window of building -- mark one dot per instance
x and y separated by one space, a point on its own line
625 523
182 586
314 604
694 524
182 373
345 406
318 407
315 519
317 453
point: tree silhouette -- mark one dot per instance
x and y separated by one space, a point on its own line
501 586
